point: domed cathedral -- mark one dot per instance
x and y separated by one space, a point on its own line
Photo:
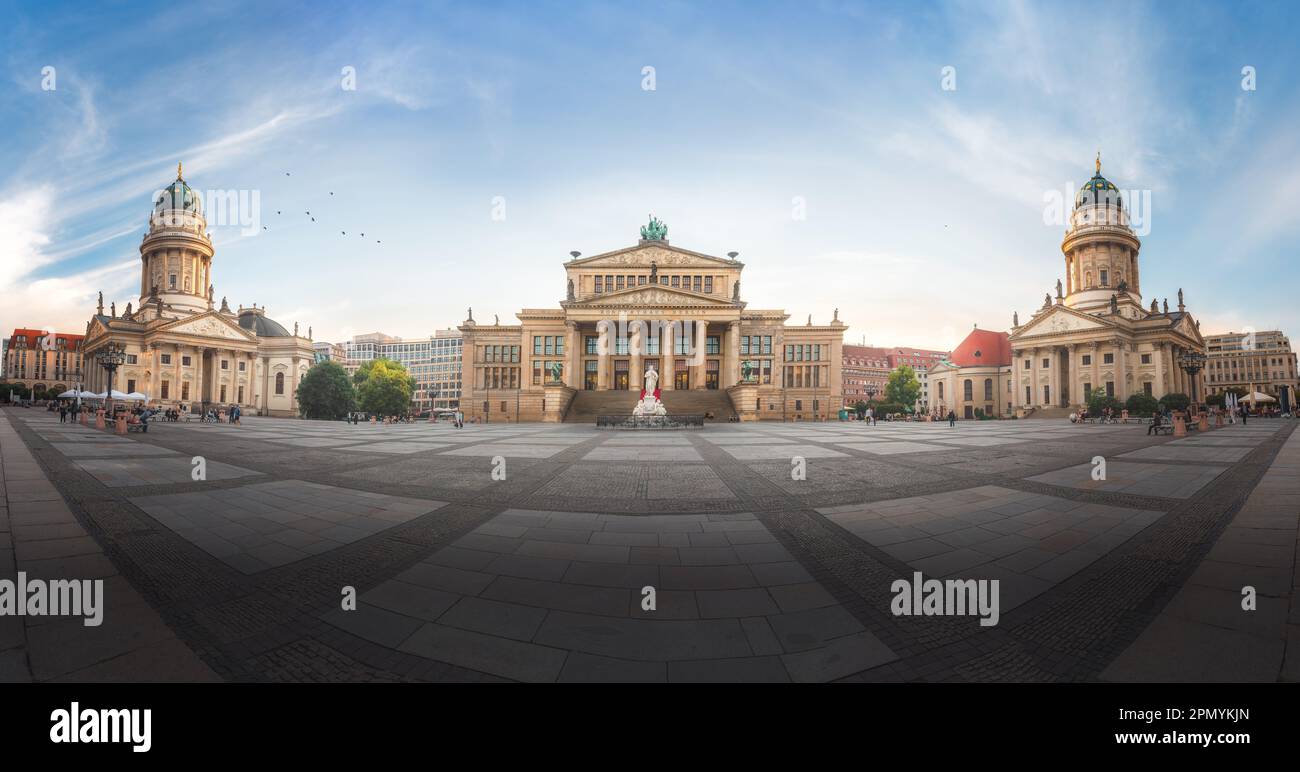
1096 333
180 347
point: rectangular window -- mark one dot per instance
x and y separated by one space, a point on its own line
640 281
677 281
1047 363
165 385
166 359
744 344
1146 359
697 283
1087 359
1146 388
1108 359
1110 388
223 393
225 365
537 345
130 385
1087 392
241 395
708 285
185 391
619 285
711 345
1027 364
243 366
130 360
593 344
767 344
600 285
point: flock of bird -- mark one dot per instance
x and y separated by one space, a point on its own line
308 213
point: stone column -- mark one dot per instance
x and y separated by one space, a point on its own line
636 336
1015 380
666 356
266 385
605 345
573 365
199 352
1035 389
174 392
732 354
1158 356
697 372
155 381
1121 372
1070 381
293 388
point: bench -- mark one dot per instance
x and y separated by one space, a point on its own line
136 427
1164 429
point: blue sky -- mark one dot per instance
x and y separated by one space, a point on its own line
923 208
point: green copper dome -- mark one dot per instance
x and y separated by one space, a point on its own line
1098 190
178 195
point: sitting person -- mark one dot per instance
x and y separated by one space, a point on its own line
1156 422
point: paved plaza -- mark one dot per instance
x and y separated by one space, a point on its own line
526 552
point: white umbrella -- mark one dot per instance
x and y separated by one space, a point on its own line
69 394
137 396
118 395
1256 396
89 395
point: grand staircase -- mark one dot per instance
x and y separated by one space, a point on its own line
587 405
1052 412
699 402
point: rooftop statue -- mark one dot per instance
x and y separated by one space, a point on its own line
656 230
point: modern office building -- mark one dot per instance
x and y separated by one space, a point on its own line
434 362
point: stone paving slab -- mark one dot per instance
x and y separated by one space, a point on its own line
130 472
1166 480
266 525
545 596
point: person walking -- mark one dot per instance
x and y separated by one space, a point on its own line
1244 413
952 418
63 414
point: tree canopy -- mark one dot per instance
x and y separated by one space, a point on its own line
903 386
385 387
326 392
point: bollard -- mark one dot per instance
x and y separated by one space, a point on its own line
99 418
1180 426
1203 422
120 425
1218 420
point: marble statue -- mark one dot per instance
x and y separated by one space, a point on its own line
649 405
747 370
1058 288
557 370
1015 318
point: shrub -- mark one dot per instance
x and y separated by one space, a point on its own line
1176 401
1141 404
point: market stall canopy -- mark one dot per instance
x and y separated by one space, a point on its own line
1256 396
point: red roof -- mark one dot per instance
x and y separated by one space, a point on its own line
982 347
34 336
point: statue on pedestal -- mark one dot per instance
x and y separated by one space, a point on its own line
649 403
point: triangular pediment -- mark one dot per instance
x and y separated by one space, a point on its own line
657 252
652 295
1061 320
209 325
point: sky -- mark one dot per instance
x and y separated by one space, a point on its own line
898 162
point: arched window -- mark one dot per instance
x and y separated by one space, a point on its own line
988 388
279 383
968 390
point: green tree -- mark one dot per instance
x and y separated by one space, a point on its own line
1176 401
14 391
903 386
1141 404
386 388
326 392
860 408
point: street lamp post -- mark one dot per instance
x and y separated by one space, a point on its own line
111 358
1192 362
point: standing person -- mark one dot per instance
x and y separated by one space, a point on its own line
1244 413
952 418
144 421
63 413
